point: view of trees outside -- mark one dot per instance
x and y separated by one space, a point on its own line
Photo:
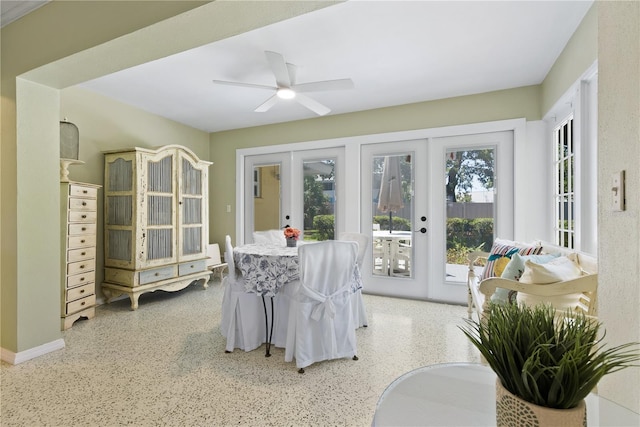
469 184
319 200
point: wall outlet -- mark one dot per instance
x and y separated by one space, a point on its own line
617 191
228 208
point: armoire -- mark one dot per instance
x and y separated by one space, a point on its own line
155 221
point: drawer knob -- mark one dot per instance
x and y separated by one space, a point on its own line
85 191
82 241
157 274
84 216
84 203
82 280
83 303
82 266
84 253
192 266
84 228
82 291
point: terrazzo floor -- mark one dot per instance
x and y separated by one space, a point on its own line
164 365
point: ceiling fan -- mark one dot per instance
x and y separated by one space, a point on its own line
286 87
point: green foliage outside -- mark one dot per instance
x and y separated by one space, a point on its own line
324 227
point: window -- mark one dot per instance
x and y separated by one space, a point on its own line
565 180
573 143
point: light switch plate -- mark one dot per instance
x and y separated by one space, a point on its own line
617 191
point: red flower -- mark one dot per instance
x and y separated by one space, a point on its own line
291 233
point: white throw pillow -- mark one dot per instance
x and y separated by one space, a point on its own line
560 269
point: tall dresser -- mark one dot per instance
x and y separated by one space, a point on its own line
79 214
156 221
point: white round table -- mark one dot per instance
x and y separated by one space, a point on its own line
463 394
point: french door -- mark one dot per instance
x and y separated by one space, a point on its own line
301 189
395 217
426 203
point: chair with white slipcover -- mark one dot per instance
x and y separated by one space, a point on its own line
321 325
243 322
269 237
359 312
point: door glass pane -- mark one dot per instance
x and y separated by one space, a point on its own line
393 211
469 184
319 204
266 197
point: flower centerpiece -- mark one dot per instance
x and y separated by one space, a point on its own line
545 363
291 234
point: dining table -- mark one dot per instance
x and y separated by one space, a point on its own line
267 268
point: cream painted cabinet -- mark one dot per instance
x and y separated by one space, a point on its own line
79 214
156 221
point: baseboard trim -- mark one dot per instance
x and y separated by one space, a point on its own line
32 353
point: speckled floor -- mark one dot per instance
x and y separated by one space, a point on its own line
164 364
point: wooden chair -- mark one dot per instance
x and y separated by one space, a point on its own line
214 262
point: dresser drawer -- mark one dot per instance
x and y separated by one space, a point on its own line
81 254
80 292
83 204
81 241
75 229
81 266
81 191
157 274
83 216
80 279
81 304
192 267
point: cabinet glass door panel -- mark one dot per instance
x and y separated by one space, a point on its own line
160 208
192 208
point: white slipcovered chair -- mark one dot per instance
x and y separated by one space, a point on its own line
359 311
243 322
321 325
269 237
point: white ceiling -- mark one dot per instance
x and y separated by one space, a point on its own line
396 52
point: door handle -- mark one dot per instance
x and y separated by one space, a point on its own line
423 230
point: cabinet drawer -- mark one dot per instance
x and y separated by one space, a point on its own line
81 254
157 274
80 292
81 266
192 267
82 204
83 216
81 304
81 241
75 229
80 279
79 190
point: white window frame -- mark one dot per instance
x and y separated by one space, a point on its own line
579 103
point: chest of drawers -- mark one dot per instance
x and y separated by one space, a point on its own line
79 214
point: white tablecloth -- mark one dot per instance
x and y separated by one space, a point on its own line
267 268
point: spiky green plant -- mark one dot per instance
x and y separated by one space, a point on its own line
545 359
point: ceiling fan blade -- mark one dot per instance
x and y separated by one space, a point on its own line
266 105
312 104
279 68
222 82
340 84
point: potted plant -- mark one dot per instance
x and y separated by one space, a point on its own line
291 234
546 364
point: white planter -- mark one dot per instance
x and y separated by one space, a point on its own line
512 411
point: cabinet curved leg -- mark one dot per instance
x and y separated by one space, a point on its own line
134 300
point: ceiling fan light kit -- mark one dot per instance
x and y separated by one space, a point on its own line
286 87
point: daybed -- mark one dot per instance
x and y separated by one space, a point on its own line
582 290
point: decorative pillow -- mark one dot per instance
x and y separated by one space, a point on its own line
560 269
506 249
513 271
557 270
